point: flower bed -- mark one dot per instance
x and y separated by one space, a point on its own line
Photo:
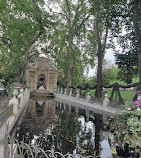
125 131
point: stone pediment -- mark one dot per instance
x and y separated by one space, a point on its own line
42 63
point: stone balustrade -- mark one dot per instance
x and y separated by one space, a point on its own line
15 107
18 99
60 90
88 97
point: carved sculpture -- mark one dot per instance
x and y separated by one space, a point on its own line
21 97
14 101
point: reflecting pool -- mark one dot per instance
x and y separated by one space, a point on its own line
70 128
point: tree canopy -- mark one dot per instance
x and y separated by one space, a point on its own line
22 24
75 33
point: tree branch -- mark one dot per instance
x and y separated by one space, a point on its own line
68 11
57 12
82 22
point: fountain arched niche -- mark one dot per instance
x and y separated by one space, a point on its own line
41 82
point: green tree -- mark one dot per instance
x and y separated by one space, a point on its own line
127 61
72 16
22 24
101 24
127 17
110 73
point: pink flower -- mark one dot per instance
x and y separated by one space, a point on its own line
138 102
138 92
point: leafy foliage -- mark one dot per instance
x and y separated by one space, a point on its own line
125 127
127 58
22 23
68 42
110 73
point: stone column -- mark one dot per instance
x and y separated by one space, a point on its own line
61 90
35 81
32 83
65 91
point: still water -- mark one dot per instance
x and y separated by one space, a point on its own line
70 129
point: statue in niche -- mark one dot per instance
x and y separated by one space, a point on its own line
41 87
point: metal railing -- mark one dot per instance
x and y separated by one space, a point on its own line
5 115
19 149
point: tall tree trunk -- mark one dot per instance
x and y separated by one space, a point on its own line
70 38
69 78
100 59
99 75
136 14
100 55
139 56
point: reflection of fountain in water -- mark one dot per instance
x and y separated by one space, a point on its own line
44 124
40 114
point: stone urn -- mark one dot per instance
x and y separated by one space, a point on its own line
14 101
15 91
106 100
21 96
106 94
